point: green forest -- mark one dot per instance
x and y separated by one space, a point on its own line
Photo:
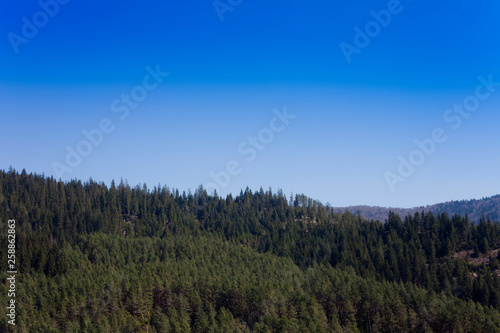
118 258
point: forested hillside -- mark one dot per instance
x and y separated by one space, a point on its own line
475 209
93 258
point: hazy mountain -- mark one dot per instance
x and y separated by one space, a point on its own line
475 208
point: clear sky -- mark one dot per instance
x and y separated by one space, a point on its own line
324 98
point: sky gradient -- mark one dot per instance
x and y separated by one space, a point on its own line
229 78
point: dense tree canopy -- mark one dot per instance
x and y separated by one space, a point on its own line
93 258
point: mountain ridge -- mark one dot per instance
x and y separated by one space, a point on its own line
473 208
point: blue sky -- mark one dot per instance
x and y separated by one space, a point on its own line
353 120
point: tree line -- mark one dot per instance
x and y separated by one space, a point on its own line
98 258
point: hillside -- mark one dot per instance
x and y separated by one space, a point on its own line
474 209
93 258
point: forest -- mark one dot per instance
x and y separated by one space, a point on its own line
120 258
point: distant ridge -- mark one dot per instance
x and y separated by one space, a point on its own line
475 208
